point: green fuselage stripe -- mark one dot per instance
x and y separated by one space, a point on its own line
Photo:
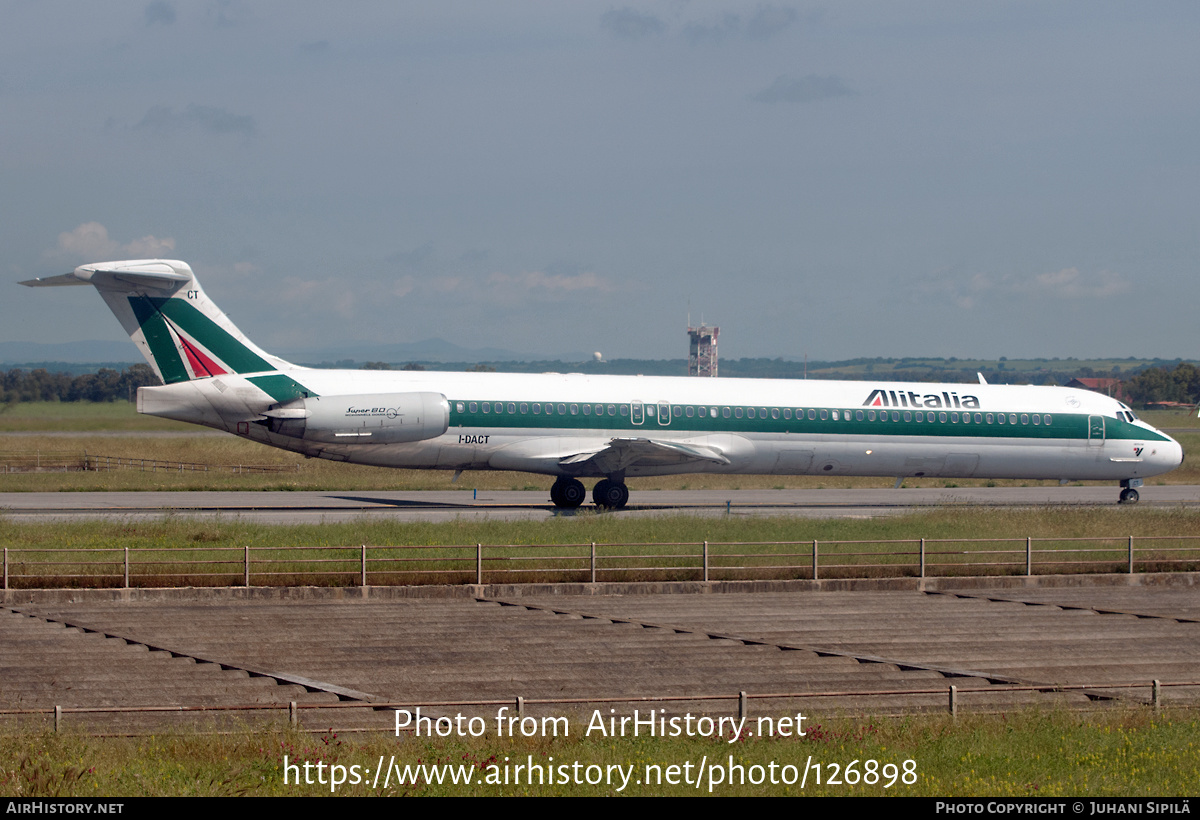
280 387
1074 426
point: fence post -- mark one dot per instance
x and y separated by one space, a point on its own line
6 567
1028 555
1156 695
520 707
743 709
705 560
1131 555
593 562
814 559
293 717
922 557
57 719
246 564
479 564
127 568
364 566
953 701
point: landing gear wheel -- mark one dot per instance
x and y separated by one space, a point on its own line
568 493
1128 496
610 495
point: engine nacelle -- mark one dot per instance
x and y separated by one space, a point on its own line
377 418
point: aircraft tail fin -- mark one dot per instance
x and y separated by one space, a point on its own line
179 330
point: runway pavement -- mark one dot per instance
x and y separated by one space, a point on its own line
332 506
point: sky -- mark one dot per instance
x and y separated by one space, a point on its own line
834 180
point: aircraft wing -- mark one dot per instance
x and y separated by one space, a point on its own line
623 453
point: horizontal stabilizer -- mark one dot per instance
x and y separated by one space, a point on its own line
62 280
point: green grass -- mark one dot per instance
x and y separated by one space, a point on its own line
1055 754
178 539
81 416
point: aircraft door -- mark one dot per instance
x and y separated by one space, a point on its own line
1095 430
664 413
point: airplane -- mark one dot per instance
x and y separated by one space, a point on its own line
573 426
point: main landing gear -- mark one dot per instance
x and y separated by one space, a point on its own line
569 493
610 495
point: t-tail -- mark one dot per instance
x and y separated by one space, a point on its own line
181 332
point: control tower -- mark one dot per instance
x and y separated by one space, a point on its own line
702 353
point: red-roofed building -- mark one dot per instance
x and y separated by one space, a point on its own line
1109 387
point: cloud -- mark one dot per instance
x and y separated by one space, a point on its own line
160 12
769 21
728 26
206 118
766 22
1068 284
804 89
547 284
630 24
90 242
316 47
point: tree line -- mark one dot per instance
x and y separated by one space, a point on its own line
104 385
1159 384
1154 384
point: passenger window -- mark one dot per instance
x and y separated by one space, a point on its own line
690 411
942 418
787 412
512 407
1024 418
835 415
738 412
812 414
725 412
858 415
562 409
474 406
907 415
524 408
574 409
1048 419
750 412
825 415
624 409
612 409
774 412
537 408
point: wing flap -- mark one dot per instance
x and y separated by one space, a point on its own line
623 453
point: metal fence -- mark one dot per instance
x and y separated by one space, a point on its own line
373 565
1147 693
60 462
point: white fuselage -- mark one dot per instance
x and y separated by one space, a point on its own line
561 424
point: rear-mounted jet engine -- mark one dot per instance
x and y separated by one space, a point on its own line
383 418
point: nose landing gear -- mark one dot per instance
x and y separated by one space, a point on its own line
1129 493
